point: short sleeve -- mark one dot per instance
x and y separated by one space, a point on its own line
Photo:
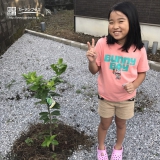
143 62
98 52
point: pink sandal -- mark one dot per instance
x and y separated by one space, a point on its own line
117 154
102 154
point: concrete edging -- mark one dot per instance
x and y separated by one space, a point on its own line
153 65
58 39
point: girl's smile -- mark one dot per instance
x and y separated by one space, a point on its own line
118 26
116 33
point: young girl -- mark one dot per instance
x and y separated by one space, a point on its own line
121 61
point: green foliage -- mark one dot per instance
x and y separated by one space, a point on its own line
54 156
78 91
84 87
44 116
45 90
29 141
59 67
49 140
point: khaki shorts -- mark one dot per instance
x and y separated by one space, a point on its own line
123 110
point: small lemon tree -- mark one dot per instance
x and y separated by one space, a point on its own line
45 91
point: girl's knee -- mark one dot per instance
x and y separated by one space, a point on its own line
103 126
121 126
120 123
105 123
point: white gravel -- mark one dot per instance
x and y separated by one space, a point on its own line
31 53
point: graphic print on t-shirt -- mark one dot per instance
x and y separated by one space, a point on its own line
119 63
117 73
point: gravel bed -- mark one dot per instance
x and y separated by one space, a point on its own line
78 101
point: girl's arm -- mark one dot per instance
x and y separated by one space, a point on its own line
93 68
139 80
92 55
130 87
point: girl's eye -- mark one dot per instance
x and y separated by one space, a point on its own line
120 21
110 22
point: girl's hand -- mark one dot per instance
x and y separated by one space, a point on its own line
129 87
91 54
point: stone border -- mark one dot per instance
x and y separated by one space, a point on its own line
58 39
153 65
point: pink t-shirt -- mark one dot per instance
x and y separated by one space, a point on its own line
118 68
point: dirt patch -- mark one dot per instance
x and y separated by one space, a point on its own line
142 101
154 57
69 139
61 24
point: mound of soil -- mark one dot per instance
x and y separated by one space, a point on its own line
28 146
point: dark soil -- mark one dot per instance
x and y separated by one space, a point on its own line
67 137
154 57
61 24
142 101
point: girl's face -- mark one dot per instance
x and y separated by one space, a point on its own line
118 26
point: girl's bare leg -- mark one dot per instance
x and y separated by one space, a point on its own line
102 131
121 131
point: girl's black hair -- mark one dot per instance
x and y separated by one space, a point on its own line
134 33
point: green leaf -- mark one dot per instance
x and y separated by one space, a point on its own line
54 120
60 60
54 67
29 141
54 94
54 155
48 143
48 140
44 117
52 88
46 120
25 76
62 69
52 137
56 106
39 78
57 113
52 105
43 113
49 101
42 94
45 143
33 74
34 88
33 77
57 80
50 83
54 142
29 81
43 87
41 102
